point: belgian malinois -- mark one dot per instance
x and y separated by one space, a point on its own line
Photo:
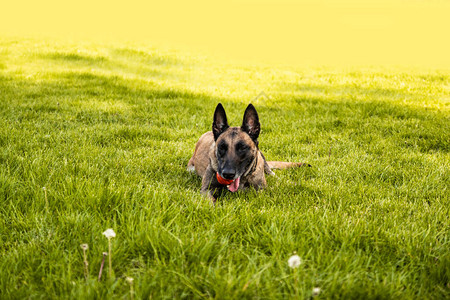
229 157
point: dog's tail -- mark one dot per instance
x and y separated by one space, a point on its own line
285 165
270 165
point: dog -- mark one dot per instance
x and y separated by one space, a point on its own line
229 157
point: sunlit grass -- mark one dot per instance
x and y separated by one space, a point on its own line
108 130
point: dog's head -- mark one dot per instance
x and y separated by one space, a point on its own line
236 147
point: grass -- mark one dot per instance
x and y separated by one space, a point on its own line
108 131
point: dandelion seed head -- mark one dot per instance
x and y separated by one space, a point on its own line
105 253
294 261
109 233
316 291
129 280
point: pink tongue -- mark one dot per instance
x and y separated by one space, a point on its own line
233 187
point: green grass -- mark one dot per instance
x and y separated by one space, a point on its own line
109 129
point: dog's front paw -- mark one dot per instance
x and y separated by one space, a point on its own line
271 173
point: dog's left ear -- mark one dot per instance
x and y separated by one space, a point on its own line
250 124
220 123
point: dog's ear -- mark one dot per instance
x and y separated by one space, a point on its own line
250 124
220 123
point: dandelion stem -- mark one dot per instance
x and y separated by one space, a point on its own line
45 196
329 155
130 282
101 266
85 247
109 254
86 264
295 284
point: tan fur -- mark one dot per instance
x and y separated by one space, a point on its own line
283 164
200 159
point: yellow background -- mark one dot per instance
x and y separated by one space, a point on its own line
336 33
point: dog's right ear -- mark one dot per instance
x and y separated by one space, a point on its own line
251 124
220 123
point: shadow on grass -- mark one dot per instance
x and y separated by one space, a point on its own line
145 64
376 86
148 57
336 110
427 130
85 86
118 55
63 57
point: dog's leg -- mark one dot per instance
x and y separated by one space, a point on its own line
190 165
208 182
267 168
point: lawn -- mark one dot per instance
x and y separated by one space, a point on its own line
108 130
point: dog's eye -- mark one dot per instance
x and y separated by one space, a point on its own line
222 149
241 148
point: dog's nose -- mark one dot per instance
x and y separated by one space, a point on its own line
228 174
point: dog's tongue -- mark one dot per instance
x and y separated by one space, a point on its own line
233 187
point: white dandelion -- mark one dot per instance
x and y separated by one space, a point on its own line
109 233
129 280
294 261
